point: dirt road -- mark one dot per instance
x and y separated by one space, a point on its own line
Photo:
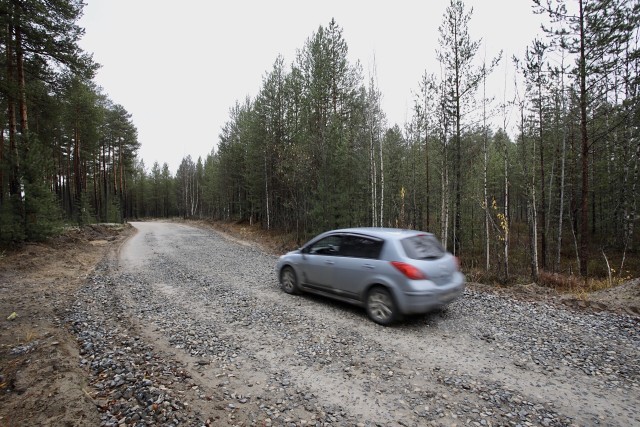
189 327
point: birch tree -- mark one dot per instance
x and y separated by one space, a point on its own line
375 123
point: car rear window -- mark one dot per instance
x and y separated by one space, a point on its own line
422 246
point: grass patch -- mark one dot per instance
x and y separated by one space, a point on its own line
578 285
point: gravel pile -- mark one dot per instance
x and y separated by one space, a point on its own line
197 332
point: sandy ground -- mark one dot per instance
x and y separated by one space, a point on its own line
41 382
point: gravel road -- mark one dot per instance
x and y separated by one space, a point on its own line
189 327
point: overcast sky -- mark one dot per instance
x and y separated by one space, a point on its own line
178 67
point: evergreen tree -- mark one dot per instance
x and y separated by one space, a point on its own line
597 33
461 81
36 34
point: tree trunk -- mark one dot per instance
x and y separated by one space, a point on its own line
426 161
562 177
458 159
372 169
533 232
506 211
123 194
14 159
1 163
584 197
444 203
485 170
266 191
381 187
531 197
632 207
105 183
24 125
543 207
458 215
77 178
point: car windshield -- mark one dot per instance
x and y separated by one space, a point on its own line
422 246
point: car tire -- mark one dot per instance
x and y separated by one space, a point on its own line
381 307
289 281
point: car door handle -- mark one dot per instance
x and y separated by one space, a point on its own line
329 262
369 266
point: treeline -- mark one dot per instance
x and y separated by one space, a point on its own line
313 149
67 152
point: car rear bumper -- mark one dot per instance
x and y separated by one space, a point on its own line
433 298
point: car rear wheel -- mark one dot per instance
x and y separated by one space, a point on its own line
289 281
380 306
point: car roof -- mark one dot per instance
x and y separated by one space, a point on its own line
381 232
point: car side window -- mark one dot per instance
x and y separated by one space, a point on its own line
329 245
360 247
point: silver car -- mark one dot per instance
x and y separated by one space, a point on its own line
388 271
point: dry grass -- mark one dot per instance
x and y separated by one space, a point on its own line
560 282
480 275
577 285
30 336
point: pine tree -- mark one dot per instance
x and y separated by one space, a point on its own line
456 54
39 40
596 33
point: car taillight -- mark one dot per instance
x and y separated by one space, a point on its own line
409 270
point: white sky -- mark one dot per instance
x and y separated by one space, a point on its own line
178 67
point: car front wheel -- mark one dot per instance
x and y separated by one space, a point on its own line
380 306
288 281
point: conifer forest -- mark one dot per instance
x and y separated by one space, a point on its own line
313 150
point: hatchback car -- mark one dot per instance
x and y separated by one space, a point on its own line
391 272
